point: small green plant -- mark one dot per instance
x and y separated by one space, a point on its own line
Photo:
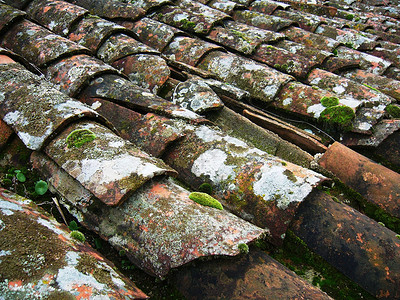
205 199
381 223
205 188
398 236
370 87
393 111
41 187
73 226
243 248
20 176
329 101
349 17
335 52
77 235
341 115
79 137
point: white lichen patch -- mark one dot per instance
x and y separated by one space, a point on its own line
8 208
278 183
316 109
212 163
50 226
185 114
69 278
2 225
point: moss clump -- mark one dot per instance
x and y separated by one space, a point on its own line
79 137
370 87
205 188
329 101
393 110
335 52
338 115
205 199
77 235
243 248
349 17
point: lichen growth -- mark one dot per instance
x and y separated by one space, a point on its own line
243 248
77 235
341 115
205 199
393 111
79 137
329 101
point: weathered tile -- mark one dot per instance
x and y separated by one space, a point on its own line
188 50
91 32
225 6
261 20
284 60
155 34
205 12
124 92
336 64
119 46
57 16
39 45
197 96
359 247
241 37
254 185
70 75
40 258
259 80
5 133
315 9
252 276
33 108
9 15
376 183
393 72
20 4
112 9
147 71
225 89
147 5
107 165
383 84
305 20
267 7
159 227
310 39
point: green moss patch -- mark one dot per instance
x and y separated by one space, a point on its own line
393 110
205 199
79 137
329 101
338 115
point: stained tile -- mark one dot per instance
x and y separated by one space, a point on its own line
305 20
225 6
8 15
267 7
261 20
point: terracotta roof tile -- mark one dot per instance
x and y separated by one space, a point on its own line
261 20
8 16
225 6
305 21
267 6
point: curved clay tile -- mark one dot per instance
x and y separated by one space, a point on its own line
189 50
225 6
261 20
112 9
34 109
9 15
39 45
306 21
336 64
71 75
20 4
91 32
57 16
158 227
241 37
267 7
154 34
57 263
259 80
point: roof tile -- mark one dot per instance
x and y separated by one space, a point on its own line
305 20
225 6
267 6
261 20
9 15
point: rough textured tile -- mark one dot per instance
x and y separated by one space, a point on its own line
188 50
112 9
261 20
242 37
374 182
121 91
107 165
34 109
315 9
20 4
147 71
225 89
205 12
306 21
336 64
39 45
153 33
309 39
260 188
57 16
91 32
252 276
159 227
391 55
197 96
259 80
39 258
8 15
284 60
119 46
225 6
5 133
383 84
146 5
359 247
267 6
70 75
